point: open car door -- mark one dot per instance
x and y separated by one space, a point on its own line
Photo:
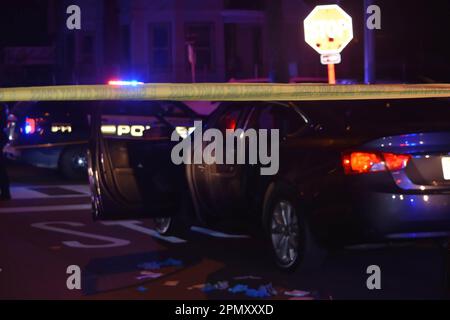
130 169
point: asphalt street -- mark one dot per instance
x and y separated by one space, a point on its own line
48 227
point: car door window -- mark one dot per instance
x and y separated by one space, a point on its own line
131 119
286 119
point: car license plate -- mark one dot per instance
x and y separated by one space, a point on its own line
446 167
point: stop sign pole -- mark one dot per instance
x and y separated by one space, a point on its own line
328 30
331 74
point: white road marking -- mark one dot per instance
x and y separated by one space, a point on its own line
82 188
136 226
218 234
25 193
18 192
69 207
111 242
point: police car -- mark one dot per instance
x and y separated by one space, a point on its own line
55 135
50 135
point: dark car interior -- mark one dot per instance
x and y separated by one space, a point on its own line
137 173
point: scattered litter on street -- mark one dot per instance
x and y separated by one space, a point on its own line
221 285
296 293
155 265
197 286
148 275
208 288
263 291
301 298
260 293
238 288
149 266
172 263
173 283
247 278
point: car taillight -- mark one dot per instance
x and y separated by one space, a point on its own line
365 162
396 162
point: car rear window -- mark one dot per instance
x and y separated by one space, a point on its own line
380 116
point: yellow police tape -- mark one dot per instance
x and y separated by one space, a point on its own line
225 92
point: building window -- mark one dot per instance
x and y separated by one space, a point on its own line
160 47
200 36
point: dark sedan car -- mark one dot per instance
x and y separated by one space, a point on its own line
349 171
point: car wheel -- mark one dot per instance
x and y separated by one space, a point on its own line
163 225
73 163
289 236
284 234
179 224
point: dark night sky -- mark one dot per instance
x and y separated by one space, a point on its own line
413 42
24 22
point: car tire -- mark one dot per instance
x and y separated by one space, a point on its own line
69 163
179 224
288 232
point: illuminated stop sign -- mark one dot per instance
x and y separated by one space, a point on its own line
328 29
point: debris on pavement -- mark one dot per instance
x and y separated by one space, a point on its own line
238 288
247 278
253 291
260 293
296 293
263 291
172 263
208 288
301 298
197 286
148 275
155 265
221 285
172 283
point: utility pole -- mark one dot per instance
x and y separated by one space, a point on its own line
278 69
369 48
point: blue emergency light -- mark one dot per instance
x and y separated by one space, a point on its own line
124 83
